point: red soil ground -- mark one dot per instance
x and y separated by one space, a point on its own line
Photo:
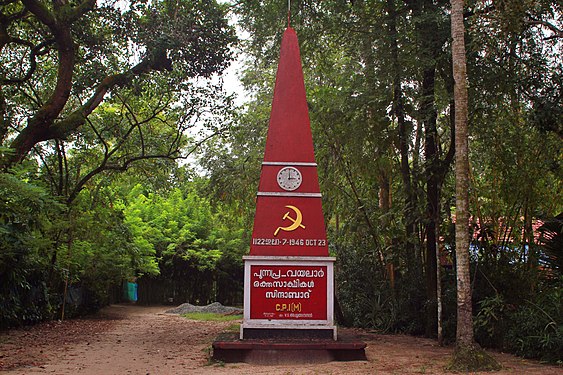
127 339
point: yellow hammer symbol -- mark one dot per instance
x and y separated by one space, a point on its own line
296 222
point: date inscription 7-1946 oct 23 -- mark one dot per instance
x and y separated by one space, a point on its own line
288 241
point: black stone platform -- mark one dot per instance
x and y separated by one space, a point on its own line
229 348
288 334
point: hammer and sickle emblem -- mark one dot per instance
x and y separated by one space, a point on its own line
296 222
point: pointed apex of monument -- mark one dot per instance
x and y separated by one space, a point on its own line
288 34
289 134
289 220
290 29
289 269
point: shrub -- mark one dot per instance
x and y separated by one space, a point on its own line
536 328
490 322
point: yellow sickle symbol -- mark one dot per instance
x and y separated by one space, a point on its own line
296 222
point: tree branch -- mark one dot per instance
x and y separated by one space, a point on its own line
7 2
63 128
41 127
104 164
82 8
42 13
112 167
99 135
37 128
34 51
557 32
360 205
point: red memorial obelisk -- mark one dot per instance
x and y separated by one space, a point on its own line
288 285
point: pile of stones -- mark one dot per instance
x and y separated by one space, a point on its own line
214 307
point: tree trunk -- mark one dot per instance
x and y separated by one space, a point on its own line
430 43
3 117
405 135
432 192
467 356
464 334
439 328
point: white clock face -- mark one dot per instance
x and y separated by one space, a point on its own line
289 178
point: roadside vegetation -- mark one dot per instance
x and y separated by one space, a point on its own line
122 158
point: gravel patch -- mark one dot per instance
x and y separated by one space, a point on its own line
214 307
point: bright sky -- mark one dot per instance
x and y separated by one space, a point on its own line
231 85
231 76
232 82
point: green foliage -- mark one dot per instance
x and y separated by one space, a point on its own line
536 327
376 74
140 80
138 50
27 213
115 88
45 243
357 57
199 249
378 306
490 322
102 252
530 325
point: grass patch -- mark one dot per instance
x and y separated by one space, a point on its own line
211 317
235 327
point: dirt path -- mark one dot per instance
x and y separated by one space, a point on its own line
145 340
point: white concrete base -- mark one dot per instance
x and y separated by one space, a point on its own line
287 324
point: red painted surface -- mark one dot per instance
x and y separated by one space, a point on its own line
288 292
289 134
289 222
289 140
308 241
